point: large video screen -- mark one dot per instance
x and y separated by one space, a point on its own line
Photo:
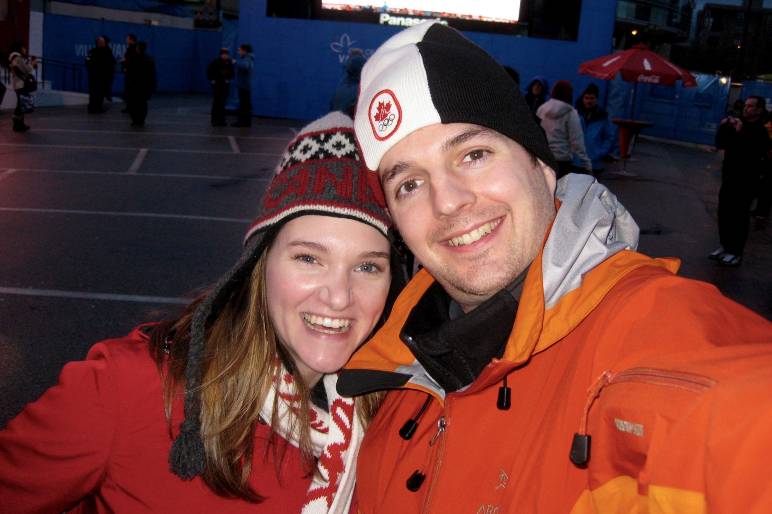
553 19
498 11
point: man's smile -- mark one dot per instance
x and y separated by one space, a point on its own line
474 235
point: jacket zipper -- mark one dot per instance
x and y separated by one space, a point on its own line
437 439
580 446
682 380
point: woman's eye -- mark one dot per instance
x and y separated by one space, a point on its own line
475 155
407 187
306 258
369 267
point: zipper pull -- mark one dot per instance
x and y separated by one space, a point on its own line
441 425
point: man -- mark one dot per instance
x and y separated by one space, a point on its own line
100 64
244 66
745 144
140 84
534 329
598 132
128 55
220 73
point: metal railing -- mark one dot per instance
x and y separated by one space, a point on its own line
63 75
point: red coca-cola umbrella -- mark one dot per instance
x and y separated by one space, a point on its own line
638 64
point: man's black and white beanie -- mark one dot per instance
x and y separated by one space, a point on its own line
320 173
429 74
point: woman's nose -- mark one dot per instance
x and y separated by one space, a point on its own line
336 290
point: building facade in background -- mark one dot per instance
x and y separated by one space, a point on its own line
727 38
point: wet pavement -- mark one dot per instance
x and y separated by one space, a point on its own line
674 199
104 226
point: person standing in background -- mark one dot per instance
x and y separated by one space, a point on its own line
100 64
598 132
764 195
561 124
536 93
22 70
128 55
220 73
345 97
244 66
745 143
140 84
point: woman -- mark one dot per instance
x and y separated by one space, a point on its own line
561 124
261 427
21 71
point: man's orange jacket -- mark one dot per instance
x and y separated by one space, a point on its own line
632 391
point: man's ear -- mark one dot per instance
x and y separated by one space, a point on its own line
550 176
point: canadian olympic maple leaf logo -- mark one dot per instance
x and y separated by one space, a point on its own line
385 114
383 110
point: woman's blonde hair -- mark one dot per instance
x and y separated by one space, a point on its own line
241 358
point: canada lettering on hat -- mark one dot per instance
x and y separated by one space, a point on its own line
385 114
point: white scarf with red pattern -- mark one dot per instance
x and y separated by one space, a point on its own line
335 437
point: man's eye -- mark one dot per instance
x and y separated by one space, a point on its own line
476 155
408 187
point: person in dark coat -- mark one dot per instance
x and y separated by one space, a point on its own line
100 64
345 97
764 194
536 93
745 143
598 131
128 55
244 66
140 84
220 73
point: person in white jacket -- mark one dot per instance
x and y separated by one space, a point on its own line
563 128
21 67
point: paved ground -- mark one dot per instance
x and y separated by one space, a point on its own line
104 226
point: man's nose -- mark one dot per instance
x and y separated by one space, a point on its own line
450 194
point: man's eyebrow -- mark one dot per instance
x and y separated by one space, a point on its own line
451 143
465 136
310 245
395 170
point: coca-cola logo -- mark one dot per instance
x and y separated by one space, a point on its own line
648 79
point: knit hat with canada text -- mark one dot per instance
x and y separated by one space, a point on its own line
429 74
